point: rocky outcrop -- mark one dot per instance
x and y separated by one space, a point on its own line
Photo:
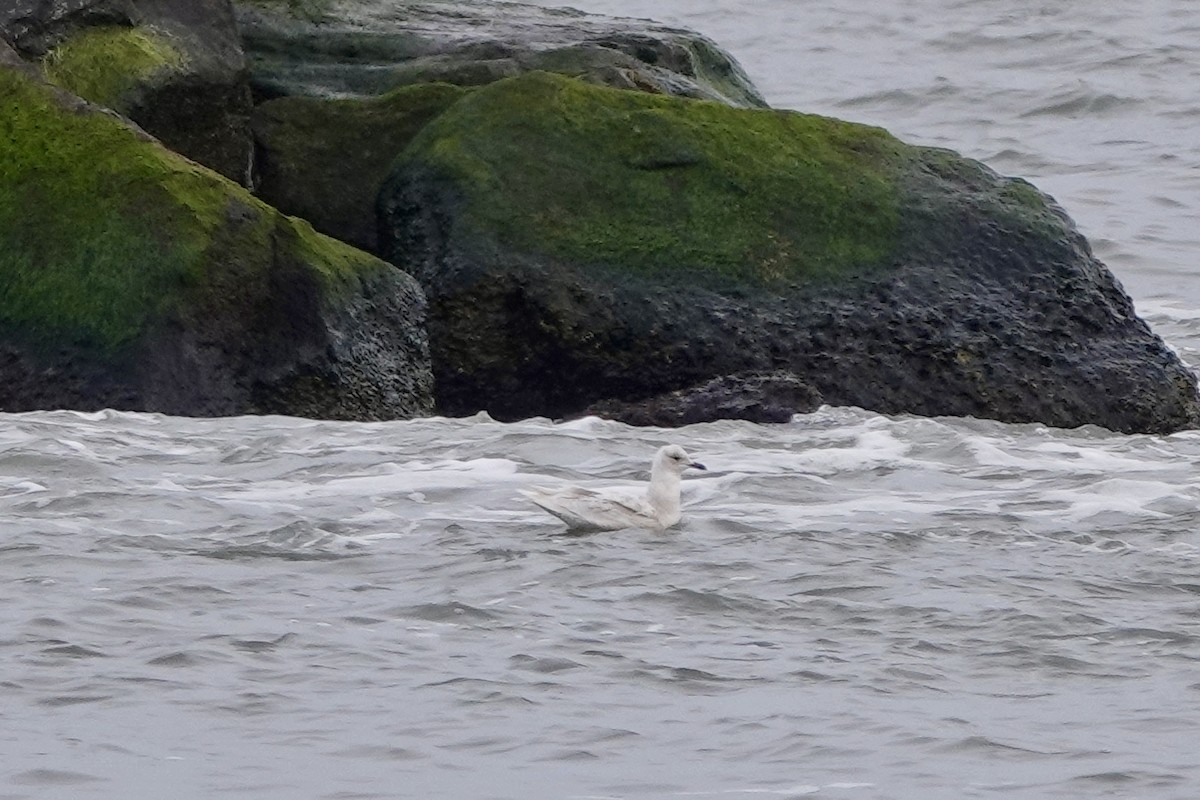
362 48
578 242
175 67
133 278
344 86
772 398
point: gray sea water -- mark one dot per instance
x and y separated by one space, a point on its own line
856 606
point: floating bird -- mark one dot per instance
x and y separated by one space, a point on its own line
614 508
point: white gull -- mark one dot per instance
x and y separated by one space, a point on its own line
614 508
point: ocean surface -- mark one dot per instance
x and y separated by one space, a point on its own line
856 606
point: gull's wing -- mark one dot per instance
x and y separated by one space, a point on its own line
589 509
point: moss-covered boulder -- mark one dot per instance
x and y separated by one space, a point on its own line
175 67
580 243
133 278
341 48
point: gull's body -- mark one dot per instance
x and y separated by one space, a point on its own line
616 508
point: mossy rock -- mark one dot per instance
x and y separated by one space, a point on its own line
580 243
681 191
173 66
325 160
105 64
134 278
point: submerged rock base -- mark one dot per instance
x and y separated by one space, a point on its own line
772 398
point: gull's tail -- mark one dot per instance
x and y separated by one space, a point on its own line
551 501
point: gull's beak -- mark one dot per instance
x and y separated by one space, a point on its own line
697 465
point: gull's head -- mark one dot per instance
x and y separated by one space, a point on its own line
676 459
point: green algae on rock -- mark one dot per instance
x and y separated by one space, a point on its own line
579 243
324 160
101 64
694 191
100 226
134 278
175 67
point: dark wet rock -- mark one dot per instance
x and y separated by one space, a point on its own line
132 278
175 67
580 243
328 48
324 160
771 398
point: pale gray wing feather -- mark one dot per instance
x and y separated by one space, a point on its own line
585 509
